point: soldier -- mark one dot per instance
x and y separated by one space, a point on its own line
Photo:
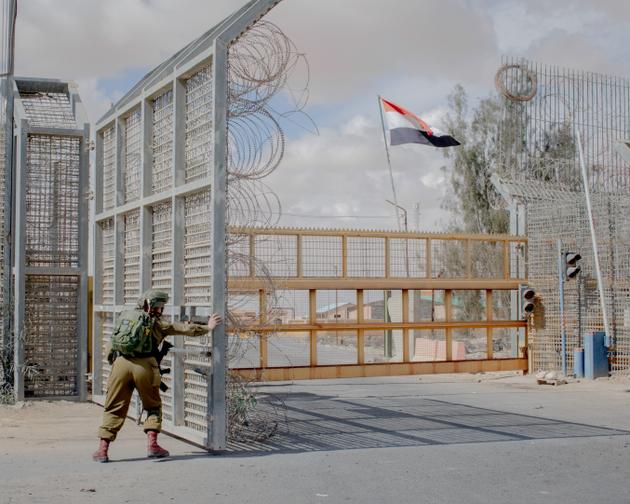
141 371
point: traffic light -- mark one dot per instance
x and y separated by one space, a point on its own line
528 296
571 267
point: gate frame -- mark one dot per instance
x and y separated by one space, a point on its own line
212 47
22 131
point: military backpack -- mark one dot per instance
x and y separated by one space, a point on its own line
132 336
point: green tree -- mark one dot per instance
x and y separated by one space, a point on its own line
474 203
472 200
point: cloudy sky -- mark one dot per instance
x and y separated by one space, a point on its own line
410 51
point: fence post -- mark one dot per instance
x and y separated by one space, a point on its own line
312 316
448 308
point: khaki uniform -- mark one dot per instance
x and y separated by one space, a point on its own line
143 374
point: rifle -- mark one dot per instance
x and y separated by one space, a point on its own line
161 353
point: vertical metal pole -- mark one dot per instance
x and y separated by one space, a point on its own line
97 324
600 284
82 329
563 331
20 260
389 161
6 88
217 422
7 180
177 230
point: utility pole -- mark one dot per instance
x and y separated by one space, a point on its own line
416 208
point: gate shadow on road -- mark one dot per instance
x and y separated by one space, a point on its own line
312 422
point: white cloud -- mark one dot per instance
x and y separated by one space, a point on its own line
412 52
339 174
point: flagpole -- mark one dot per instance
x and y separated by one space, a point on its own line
389 161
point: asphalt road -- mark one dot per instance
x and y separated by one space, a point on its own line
431 439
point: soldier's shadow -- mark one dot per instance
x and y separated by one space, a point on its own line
172 458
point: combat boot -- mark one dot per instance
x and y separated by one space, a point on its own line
154 450
100 455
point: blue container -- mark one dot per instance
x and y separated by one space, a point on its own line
595 356
578 362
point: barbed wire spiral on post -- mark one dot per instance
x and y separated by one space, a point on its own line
516 82
261 64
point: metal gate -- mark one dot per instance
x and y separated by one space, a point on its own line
161 174
50 242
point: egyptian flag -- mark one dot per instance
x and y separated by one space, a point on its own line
405 127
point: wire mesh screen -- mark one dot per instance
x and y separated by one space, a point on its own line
322 256
6 62
407 257
3 203
107 262
52 110
162 142
549 221
366 257
131 258
105 325
51 336
109 168
448 258
199 132
162 247
486 259
277 254
543 104
52 201
290 253
132 145
545 108
518 259
239 260
197 245
195 381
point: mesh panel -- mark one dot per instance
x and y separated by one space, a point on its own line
107 262
162 243
131 258
448 258
52 201
3 203
162 142
321 256
278 253
197 265
131 156
105 323
486 259
195 392
51 335
52 110
238 255
536 138
288 349
337 347
109 168
366 257
199 133
548 221
407 258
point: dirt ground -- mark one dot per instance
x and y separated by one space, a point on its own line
437 439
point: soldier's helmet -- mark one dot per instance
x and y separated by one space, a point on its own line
154 297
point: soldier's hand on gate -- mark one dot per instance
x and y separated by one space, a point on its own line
214 320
